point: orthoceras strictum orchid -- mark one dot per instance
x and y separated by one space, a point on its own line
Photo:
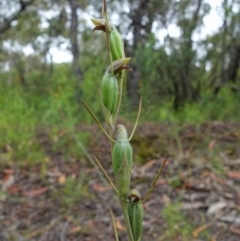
111 89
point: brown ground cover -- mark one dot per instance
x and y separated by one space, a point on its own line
197 197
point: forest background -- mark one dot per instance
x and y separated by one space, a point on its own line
187 78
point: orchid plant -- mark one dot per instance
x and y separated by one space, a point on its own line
111 88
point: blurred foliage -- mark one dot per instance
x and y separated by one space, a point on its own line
190 78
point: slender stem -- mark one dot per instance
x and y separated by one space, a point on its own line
126 218
98 122
114 225
106 175
154 181
136 122
119 97
107 28
85 152
81 146
108 42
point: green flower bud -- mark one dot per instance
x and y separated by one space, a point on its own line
135 213
115 38
109 92
122 147
116 44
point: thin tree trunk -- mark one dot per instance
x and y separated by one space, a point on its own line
223 59
234 65
75 48
186 91
138 39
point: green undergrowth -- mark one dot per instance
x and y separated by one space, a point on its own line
222 107
176 225
28 114
49 105
179 226
17 124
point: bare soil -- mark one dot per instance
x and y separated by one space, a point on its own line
66 198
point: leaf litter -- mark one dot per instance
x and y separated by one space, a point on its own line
70 202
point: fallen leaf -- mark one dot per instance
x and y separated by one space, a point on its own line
99 188
34 233
161 182
206 173
234 175
230 219
217 179
41 230
91 223
119 226
200 229
62 179
9 148
233 162
193 205
148 165
166 199
14 189
234 230
211 144
215 207
7 182
33 193
75 229
47 159
8 171
54 173
63 132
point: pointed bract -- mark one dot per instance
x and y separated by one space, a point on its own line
121 148
98 21
123 177
118 65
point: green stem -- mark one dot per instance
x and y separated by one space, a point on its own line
122 199
98 122
106 175
107 27
154 181
136 122
126 218
108 42
114 225
119 97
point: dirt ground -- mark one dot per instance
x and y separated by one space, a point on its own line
66 198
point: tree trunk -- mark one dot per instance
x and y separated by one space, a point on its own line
136 16
186 91
234 63
75 48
